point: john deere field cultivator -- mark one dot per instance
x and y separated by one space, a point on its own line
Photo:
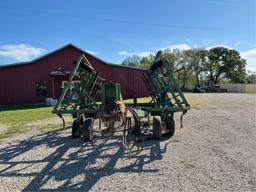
81 101
95 98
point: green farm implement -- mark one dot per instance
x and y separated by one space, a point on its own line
96 98
167 99
82 101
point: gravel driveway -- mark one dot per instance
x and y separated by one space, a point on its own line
215 151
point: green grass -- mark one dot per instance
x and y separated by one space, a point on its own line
192 99
139 100
15 119
22 116
16 107
251 94
20 119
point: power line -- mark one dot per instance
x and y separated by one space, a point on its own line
114 20
228 1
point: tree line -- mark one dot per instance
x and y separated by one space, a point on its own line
201 66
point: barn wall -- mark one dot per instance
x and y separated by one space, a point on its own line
18 83
129 79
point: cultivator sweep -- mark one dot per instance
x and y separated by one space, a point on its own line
136 119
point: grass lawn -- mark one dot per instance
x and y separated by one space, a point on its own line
251 94
192 99
17 121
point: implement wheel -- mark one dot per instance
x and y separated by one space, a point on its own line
157 127
129 137
88 129
75 129
170 125
111 126
131 132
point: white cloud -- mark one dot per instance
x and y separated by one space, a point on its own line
179 46
140 54
21 52
125 53
92 52
250 57
249 54
146 53
219 45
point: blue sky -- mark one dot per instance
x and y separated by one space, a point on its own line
115 29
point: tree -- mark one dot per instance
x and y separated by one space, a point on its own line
195 58
185 59
179 59
147 61
225 63
170 56
133 60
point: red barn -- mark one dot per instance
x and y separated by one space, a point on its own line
32 82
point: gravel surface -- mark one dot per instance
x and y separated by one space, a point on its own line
215 151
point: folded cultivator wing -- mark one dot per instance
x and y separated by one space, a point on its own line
80 99
161 84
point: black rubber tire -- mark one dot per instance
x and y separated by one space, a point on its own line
75 129
157 127
170 126
111 127
131 131
88 129
128 135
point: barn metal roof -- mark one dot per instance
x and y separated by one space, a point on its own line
70 44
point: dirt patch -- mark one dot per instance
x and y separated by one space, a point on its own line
48 122
3 127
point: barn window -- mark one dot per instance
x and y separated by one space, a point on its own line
41 88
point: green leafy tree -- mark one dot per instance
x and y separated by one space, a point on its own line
225 63
170 56
133 60
179 59
183 59
147 61
195 58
